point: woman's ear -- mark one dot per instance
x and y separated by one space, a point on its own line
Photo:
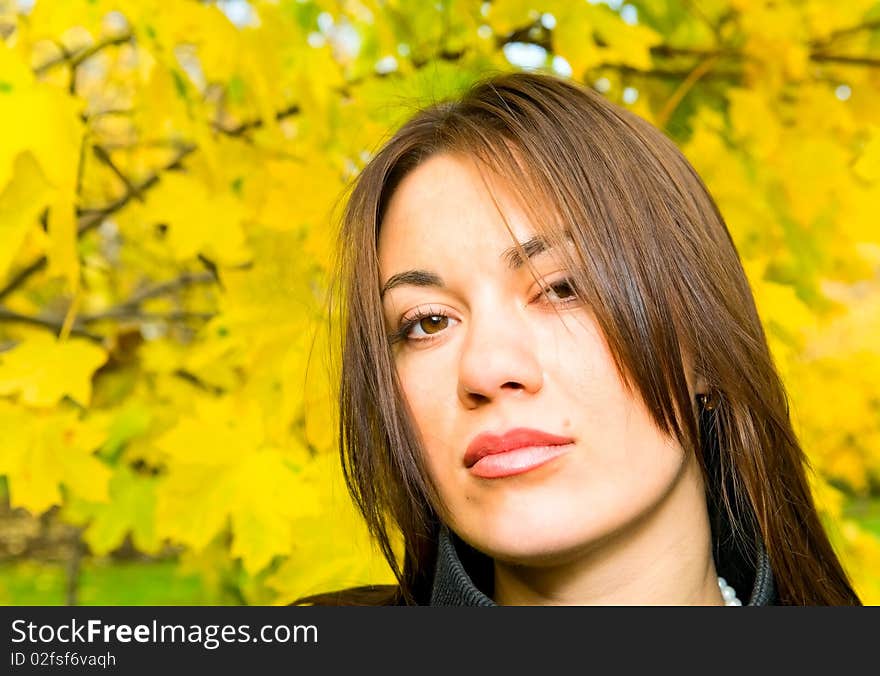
695 380
704 394
700 386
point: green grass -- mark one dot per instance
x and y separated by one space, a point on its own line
866 513
109 584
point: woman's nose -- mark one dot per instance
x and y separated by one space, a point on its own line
499 356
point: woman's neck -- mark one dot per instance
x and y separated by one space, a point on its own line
663 559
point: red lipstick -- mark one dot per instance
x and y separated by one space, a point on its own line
492 456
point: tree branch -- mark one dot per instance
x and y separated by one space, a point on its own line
76 58
107 111
139 315
671 51
815 55
130 308
843 32
198 382
56 324
9 316
694 8
671 74
537 35
244 127
160 289
842 58
22 276
104 156
93 219
681 91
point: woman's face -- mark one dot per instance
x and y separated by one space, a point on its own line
536 448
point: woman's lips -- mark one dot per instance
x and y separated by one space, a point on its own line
518 461
492 456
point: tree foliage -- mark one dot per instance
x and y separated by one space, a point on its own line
169 176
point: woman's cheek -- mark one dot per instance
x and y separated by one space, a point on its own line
429 386
422 391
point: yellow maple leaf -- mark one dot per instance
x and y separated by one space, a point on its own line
296 193
42 370
753 120
41 450
47 124
811 191
588 35
508 15
331 548
130 510
861 559
20 203
868 164
61 252
265 497
15 77
54 19
198 220
221 472
319 404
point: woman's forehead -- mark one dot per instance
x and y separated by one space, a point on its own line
453 201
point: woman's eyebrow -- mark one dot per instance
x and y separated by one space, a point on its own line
413 277
531 248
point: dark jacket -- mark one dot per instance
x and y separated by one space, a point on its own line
462 574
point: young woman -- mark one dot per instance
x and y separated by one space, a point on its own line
555 383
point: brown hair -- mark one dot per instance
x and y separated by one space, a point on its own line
653 258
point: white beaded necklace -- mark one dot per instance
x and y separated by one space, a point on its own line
728 592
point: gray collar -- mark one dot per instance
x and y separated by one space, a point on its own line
454 586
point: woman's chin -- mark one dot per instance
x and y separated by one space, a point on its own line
520 546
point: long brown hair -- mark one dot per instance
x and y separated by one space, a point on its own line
654 260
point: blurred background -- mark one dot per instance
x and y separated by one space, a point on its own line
170 177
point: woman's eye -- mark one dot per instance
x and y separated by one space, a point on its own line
423 327
560 291
429 325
